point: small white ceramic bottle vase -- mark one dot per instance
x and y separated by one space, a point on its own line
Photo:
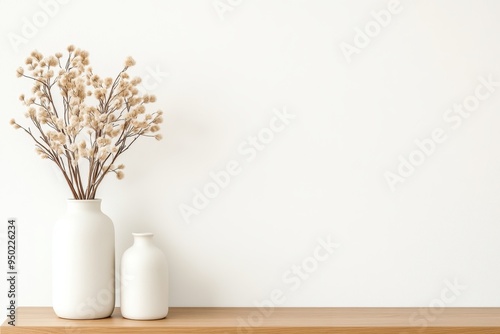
144 280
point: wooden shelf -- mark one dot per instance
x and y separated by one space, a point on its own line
216 320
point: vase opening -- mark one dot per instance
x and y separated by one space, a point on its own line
142 234
141 239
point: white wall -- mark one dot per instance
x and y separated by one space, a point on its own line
322 176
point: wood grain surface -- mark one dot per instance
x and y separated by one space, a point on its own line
42 320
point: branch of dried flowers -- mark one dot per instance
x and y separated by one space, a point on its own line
97 132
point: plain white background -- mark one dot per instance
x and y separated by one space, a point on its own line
322 176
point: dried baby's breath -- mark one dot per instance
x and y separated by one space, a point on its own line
83 122
129 62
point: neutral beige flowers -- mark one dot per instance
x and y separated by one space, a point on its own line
83 122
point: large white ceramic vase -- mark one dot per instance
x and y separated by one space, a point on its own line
144 280
83 262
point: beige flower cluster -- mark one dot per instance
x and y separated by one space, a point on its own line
83 122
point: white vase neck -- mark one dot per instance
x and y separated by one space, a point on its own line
143 239
75 205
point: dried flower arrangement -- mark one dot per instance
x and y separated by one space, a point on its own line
90 123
